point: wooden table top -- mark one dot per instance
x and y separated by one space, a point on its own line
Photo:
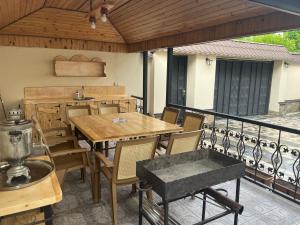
99 128
47 192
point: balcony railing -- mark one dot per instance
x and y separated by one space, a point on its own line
139 103
271 161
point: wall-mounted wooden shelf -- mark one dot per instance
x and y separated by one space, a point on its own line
79 66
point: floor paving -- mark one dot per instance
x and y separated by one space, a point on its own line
262 207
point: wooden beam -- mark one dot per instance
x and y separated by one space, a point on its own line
289 6
145 82
169 75
60 43
273 22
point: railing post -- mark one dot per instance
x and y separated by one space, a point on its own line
145 82
169 74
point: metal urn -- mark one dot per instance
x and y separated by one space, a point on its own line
15 147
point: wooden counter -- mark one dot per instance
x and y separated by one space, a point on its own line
49 104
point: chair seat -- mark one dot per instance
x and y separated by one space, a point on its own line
62 146
68 161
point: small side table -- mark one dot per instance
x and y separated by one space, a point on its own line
39 196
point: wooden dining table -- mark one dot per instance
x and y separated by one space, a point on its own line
119 126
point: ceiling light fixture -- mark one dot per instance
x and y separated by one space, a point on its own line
92 21
104 14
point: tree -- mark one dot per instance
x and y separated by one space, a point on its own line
289 39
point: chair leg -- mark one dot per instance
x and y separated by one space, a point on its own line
133 190
106 148
83 174
96 183
114 203
149 195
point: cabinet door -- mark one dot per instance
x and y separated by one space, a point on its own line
50 115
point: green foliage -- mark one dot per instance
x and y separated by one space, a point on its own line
289 39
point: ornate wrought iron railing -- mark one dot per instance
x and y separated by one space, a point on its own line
271 161
139 103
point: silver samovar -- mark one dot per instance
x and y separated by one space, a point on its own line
15 147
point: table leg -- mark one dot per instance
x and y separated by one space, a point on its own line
204 206
48 213
141 203
237 199
166 212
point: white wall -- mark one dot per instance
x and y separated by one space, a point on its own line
27 67
293 82
159 82
200 82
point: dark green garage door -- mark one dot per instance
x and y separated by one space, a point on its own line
242 87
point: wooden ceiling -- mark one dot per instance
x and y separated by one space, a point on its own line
135 25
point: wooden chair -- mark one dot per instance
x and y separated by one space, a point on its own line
184 142
108 108
78 110
170 115
191 122
122 171
65 157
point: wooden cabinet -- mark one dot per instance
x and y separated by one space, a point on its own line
50 115
53 115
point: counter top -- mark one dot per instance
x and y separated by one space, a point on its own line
63 100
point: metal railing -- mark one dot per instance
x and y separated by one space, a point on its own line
271 162
139 103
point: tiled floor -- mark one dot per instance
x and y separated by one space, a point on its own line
261 206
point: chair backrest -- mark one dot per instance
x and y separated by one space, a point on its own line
108 108
78 110
170 115
183 142
193 121
128 153
40 134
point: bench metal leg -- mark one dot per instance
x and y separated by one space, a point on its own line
204 206
237 199
141 203
166 212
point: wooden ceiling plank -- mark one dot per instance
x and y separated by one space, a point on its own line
175 16
65 24
276 21
14 10
144 9
66 4
195 23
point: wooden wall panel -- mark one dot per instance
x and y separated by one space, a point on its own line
60 43
12 10
277 21
58 23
